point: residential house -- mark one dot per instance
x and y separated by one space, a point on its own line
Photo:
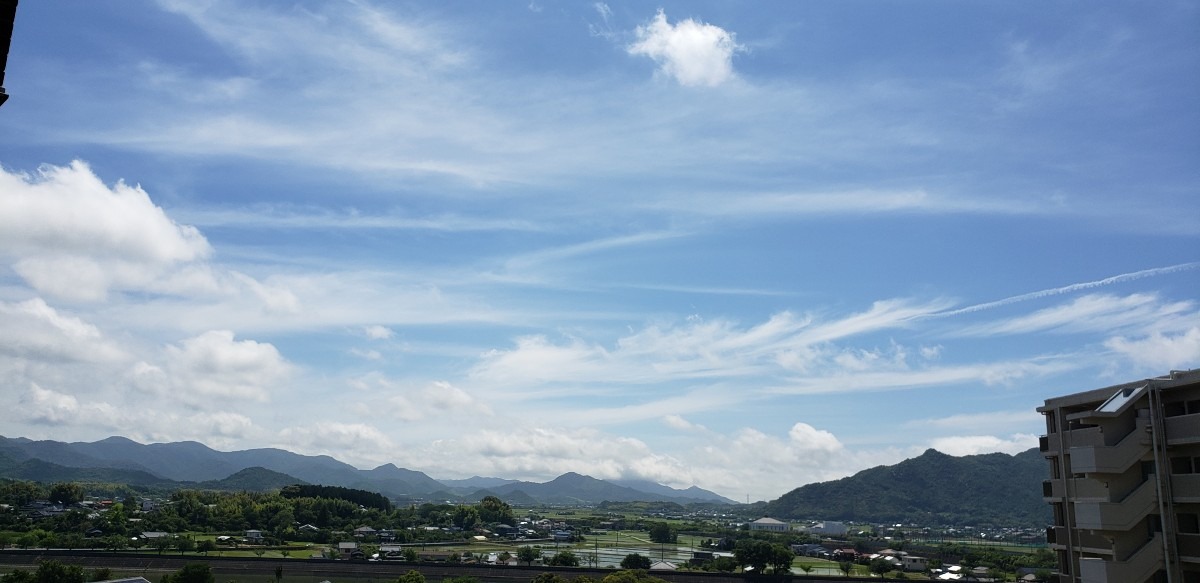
914 563
254 536
348 550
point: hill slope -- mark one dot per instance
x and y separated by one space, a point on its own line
933 488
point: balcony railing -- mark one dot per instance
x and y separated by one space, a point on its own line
1122 515
1186 488
1189 547
1138 567
1183 429
1093 456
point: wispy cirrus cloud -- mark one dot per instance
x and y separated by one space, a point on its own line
1093 313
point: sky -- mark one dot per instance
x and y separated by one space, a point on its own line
740 247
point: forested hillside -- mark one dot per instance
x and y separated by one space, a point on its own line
933 488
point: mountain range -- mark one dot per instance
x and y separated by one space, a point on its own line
191 464
933 488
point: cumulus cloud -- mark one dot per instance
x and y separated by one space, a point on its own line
75 237
691 52
35 330
214 365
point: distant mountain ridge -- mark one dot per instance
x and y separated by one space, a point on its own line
192 464
933 488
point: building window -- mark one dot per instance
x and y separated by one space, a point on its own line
1188 523
1181 465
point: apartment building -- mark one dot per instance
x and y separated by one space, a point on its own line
1125 481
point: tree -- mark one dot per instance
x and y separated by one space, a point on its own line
205 546
564 559
845 567
880 566
193 573
101 574
781 559
18 576
66 493
72 541
724 564
635 561
185 544
413 576
161 544
504 557
528 555
548 578
630 576
662 532
115 542
806 568
493 509
755 554
48 572
410 555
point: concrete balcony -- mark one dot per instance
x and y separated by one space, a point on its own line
1188 546
1121 515
1079 489
1186 488
1090 455
1057 539
1048 444
1183 429
1136 568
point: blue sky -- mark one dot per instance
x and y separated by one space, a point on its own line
697 243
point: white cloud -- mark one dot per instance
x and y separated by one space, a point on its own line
381 396
215 366
542 453
988 422
1093 313
72 236
960 445
377 332
678 422
345 441
691 52
1159 351
707 349
34 330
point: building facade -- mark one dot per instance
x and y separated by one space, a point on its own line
1125 481
769 524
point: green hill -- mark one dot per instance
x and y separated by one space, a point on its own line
933 488
254 479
